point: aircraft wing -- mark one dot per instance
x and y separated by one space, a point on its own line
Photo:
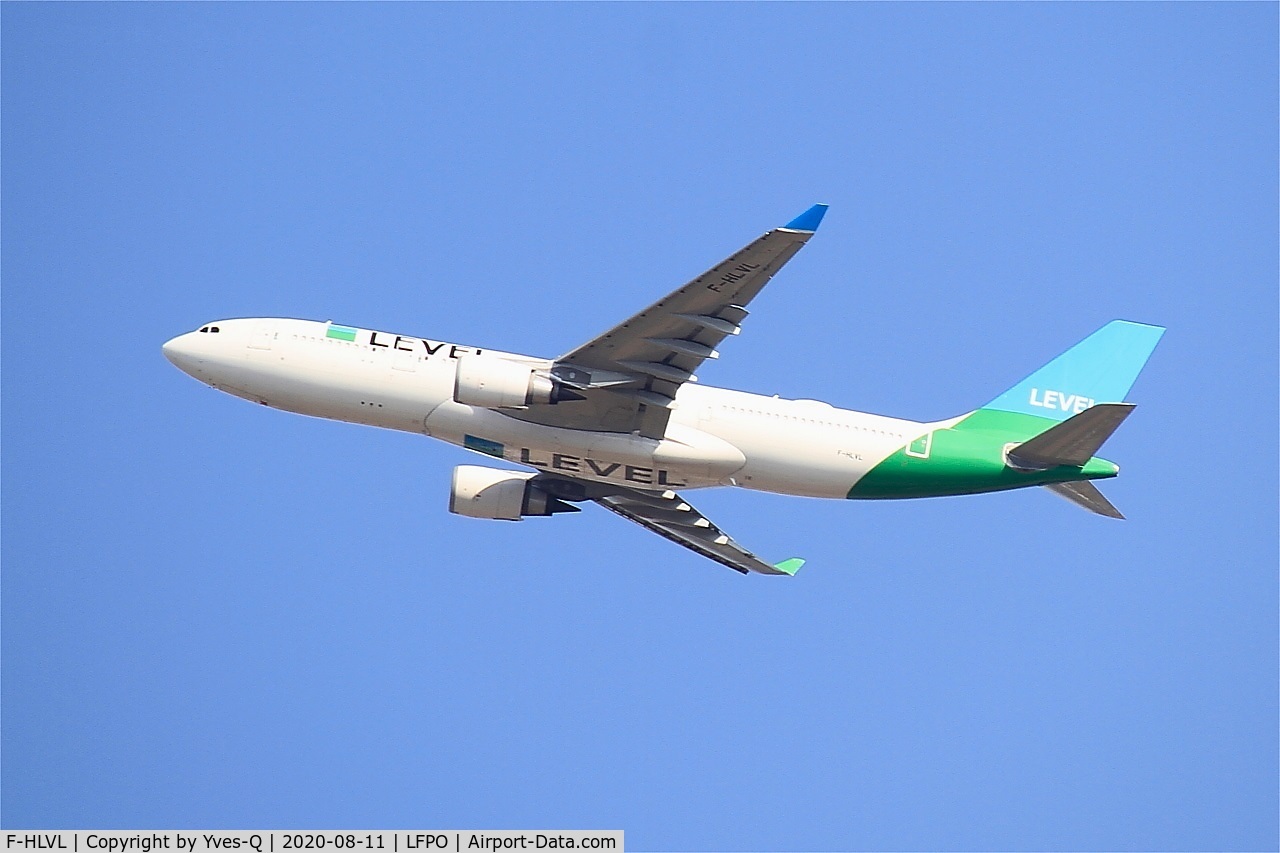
629 375
670 516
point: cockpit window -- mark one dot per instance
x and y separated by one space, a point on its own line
204 328
214 329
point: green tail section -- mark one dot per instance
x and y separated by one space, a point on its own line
969 458
1061 413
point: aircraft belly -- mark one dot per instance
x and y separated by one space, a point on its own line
809 460
810 470
693 461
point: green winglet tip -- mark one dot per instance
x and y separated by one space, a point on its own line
789 567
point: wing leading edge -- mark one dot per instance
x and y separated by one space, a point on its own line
629 375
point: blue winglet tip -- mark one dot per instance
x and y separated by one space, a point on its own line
809 220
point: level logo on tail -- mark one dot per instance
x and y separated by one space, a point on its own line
1083 389
1044 431
1099 369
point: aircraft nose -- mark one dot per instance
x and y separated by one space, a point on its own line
180 352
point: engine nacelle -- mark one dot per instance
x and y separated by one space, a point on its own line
495 383
481 492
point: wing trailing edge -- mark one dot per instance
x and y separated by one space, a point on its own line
671 517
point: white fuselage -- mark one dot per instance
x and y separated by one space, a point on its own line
715 436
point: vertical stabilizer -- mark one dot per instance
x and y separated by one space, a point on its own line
1099 369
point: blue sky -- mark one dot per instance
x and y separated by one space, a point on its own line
215 615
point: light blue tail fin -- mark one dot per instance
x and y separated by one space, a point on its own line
1099 369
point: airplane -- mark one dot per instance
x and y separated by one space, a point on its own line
622 422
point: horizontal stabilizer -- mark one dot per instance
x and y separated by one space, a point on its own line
1072 442
1085 494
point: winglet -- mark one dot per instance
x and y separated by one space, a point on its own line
809 220
790 567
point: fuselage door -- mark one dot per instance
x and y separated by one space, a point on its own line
263 334
920 447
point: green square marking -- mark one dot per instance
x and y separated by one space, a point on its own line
482 445
342 333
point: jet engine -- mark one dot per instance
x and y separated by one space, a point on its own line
496 383
481 492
